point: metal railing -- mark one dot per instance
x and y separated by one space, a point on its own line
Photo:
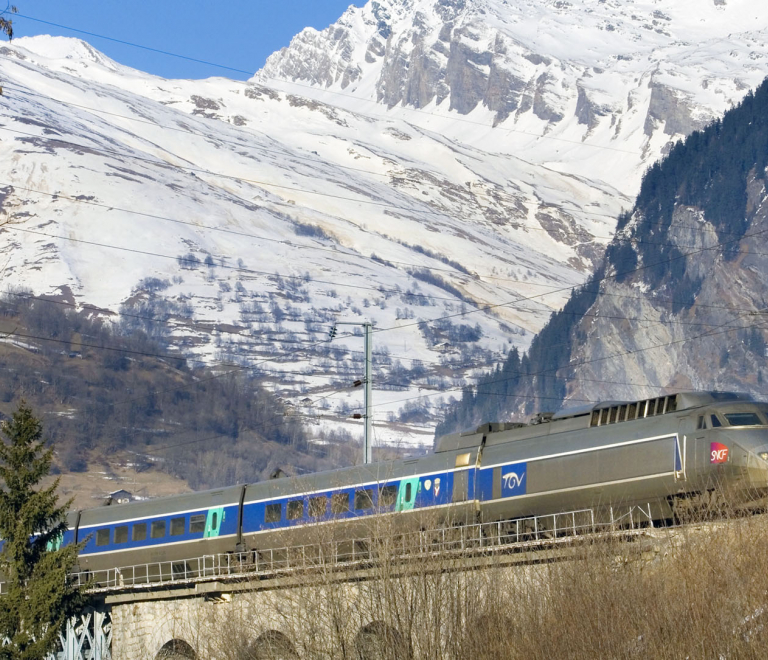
480 538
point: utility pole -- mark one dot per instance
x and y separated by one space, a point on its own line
367 449
367 381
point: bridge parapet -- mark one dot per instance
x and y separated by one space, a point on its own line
151 606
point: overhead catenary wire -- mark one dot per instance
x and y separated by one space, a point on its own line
605 278
684 255
535 397
717 331
486 307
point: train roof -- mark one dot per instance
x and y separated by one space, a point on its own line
541 424
568 418
685 400
144 508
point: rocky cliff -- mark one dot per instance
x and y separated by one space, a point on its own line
630 76
680 300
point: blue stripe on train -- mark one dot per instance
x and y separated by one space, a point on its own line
432 490
228 527
514 481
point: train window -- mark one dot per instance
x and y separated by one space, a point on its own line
318 506
197 523
364 499
595 418
214 520
462 460
178 525
339 503
408 492
672 403
660 404
102 537
604 416
614 412
139 532
388 496
632 411
121 534
295 509
622 413
272 513
743 419
158 529
642 409
715 421
701 423
651 410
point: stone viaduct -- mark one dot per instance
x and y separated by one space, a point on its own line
390 608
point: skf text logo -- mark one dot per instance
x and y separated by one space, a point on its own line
718 453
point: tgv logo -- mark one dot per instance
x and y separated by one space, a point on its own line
512 480
718 453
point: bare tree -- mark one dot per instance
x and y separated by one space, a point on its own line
6 25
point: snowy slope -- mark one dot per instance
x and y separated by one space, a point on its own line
357 190
623 77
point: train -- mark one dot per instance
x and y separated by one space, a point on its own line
662 455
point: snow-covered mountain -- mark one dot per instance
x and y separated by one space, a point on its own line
607 83
416 160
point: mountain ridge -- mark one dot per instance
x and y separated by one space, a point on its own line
268 209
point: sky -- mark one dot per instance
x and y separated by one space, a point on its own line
236 33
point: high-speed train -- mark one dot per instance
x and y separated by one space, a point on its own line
657 452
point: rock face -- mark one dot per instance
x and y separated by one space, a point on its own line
679 302
636 76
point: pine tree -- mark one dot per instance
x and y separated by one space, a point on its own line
38 599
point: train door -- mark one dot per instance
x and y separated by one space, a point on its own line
460 485
685 428
213 521
406 494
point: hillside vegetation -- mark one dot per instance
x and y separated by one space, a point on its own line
684 260
106 390
694 592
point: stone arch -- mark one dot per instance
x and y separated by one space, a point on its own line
380 641
176 649
272 645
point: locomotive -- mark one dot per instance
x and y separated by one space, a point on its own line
658 454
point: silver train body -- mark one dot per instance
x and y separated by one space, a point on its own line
654 454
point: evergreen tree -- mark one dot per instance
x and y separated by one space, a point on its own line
38 599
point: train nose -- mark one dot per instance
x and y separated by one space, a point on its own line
756 465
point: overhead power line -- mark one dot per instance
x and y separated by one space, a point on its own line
605 278
133 45
511 305
717 331
265 273
333 92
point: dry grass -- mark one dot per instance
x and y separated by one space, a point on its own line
697 592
